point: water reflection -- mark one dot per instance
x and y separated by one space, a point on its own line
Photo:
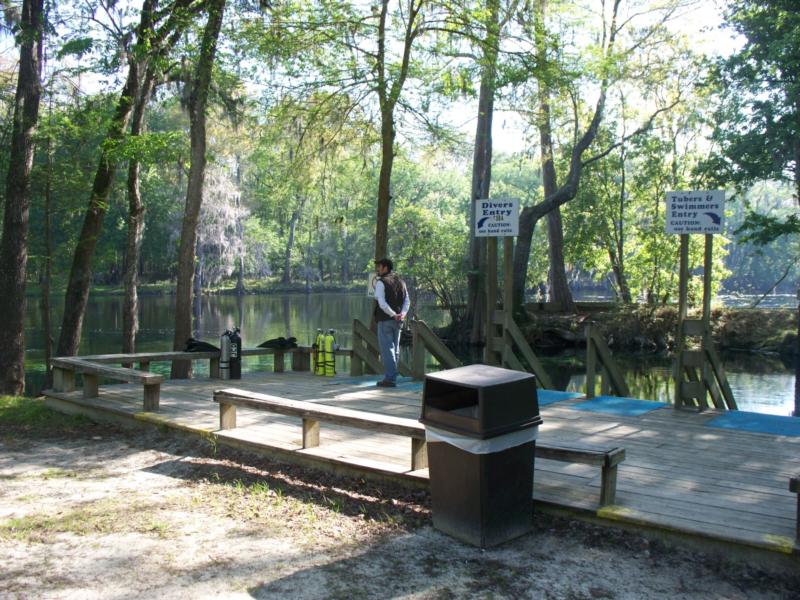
760 383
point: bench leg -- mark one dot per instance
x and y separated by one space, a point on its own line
419 454
63 380
227 416
213 368
608 485
310 433
89 385
278 361
152 396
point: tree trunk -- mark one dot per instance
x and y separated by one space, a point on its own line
560 294
530 215
194 192
14 246
48 264
287 261
482 178
384 183
388 95
240 290
130 304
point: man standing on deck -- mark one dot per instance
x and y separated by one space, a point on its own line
392 304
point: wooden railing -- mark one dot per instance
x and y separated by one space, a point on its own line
599 355
425 340
93 367
365 356
513 339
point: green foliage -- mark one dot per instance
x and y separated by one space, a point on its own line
18 412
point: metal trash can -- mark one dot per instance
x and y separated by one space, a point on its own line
481 424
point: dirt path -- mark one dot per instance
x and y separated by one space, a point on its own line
103 513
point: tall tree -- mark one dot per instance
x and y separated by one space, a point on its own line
154 28
611 63
560 295
388 89
489 50
14 247
758 124
198 101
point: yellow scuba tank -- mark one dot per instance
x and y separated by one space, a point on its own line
330 362
319 353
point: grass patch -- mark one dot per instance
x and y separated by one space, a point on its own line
97 518
20 414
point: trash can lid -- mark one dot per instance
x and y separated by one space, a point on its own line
479 375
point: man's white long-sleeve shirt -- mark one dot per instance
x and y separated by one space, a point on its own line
380 296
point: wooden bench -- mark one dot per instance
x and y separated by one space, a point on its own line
312 414
794 486
64 370
607 460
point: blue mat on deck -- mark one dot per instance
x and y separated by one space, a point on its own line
615 405
550 396
757 423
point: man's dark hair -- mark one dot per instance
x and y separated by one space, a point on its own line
385 262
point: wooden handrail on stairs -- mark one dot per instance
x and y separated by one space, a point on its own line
424 339
366 353
612 378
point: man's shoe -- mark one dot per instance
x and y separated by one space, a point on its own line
386 383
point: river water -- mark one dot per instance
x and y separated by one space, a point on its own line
760 383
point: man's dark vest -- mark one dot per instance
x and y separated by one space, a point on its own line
394 292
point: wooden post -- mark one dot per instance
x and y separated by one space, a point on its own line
417 352
227 416
508 276
490 357
213 368
707 269
301 360
152 394
683 286
277 361
90 387
591 363
356 364
310 433
419 454
63 380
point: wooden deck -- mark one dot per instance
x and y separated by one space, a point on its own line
679 477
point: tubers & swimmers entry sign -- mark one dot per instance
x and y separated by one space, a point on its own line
497 218
695 211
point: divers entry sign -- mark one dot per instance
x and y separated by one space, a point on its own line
497 218
695 212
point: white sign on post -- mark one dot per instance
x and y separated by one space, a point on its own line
695 212
372 279
497 218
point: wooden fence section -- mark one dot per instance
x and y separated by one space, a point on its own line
598 353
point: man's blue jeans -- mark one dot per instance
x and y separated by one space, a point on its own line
389 344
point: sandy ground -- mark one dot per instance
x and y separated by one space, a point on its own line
105 513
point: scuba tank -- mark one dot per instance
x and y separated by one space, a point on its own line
225 355
236 354
319 353
330 346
